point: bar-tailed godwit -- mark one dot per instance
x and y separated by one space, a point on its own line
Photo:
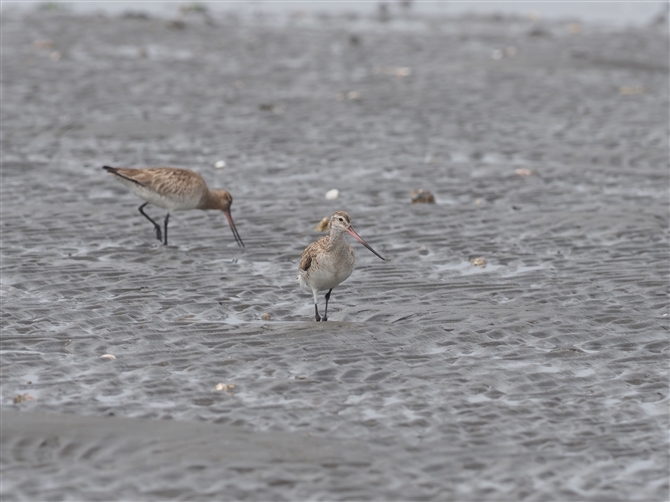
173 189
329 261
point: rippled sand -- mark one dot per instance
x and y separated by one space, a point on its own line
541 376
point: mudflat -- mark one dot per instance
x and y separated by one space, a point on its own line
513 346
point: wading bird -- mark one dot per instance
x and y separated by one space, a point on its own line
172 189
329 261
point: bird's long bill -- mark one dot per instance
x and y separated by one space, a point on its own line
238 239
359 239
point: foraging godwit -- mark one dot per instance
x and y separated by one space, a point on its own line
330 260
173 189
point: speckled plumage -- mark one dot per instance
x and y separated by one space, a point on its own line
329 261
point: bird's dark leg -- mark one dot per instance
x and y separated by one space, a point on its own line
325 314
316 312
156 225
166 222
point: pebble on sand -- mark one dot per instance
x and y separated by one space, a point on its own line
421 196
227 387
398 71
575 28
629 90
351 96
332 194
478 262
20 398
43 43
111 357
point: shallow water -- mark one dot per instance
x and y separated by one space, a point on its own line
542 376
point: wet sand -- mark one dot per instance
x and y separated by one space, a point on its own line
541 376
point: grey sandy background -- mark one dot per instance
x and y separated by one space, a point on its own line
543 376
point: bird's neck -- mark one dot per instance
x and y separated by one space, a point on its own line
208 201
337 239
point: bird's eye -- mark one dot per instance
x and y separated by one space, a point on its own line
340 219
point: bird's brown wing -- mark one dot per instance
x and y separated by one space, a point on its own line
305 262
164 180
310 252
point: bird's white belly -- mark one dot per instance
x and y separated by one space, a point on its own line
170 202
323 278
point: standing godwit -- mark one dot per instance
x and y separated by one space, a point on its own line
173 189
329 261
